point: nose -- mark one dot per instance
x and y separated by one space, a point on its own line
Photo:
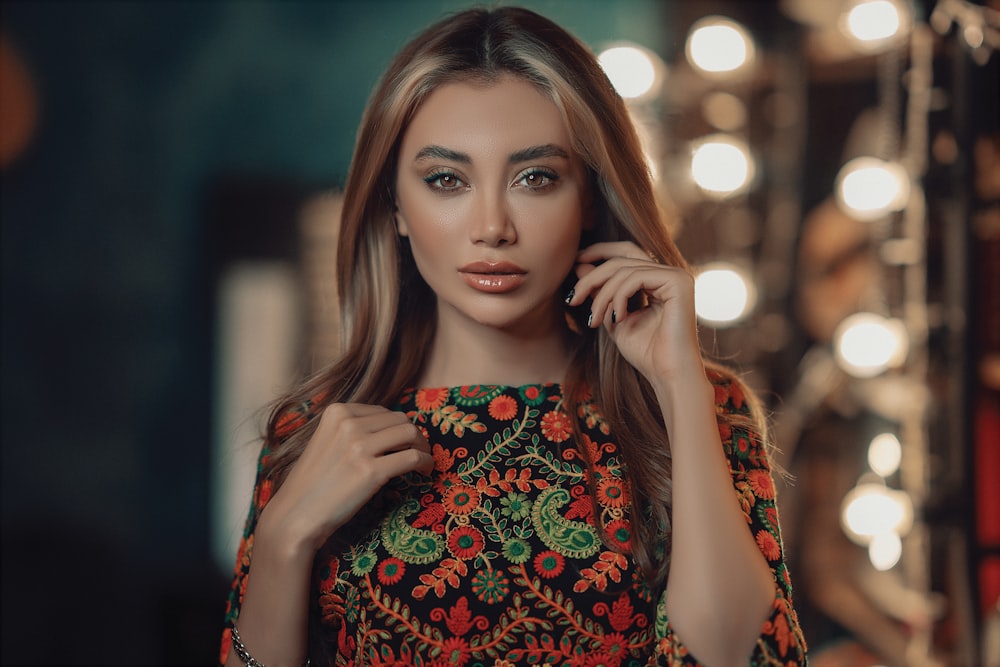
492 225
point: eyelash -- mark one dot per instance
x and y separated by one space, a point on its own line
433 180
550 176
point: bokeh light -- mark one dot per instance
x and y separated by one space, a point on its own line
867 344
869 188
723 294
884 454
635 72
719 46
721 165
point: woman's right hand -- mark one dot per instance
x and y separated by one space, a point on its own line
355 450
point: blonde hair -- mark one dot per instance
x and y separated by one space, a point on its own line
387 312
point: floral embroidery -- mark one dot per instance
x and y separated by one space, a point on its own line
499 559
556 426
503 408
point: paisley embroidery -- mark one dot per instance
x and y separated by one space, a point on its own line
499 559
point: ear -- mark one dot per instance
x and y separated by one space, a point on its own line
401 227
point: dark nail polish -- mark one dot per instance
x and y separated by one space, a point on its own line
614 316
590 320
569 297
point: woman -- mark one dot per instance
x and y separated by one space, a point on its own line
520 456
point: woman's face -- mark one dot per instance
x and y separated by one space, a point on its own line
491 196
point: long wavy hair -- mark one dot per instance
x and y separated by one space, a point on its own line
387 312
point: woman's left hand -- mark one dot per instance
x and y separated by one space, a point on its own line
660 339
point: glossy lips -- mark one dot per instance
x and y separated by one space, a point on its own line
493 277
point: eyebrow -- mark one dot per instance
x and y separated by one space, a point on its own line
525 154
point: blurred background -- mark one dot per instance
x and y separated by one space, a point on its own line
169 174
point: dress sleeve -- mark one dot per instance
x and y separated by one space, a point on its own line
261 494
781 642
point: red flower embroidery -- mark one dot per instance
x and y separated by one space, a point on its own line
503 408
612 492
549 564
556 426
455 651
761 483
431 399
390 571
465 542
619 532
768 545
460 500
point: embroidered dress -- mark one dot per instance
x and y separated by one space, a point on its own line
503 557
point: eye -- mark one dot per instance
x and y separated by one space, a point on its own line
537 179
444 181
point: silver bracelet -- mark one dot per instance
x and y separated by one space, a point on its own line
244 655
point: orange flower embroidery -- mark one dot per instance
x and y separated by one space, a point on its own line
612 492
619 532
460 499
431 399
390 571
503 408
465 542
768 545
761 483
556 426
549 564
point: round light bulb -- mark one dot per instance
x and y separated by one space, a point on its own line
722 294
875 24
719 46
721 166
867 344
869 188
885 550
871 509
631 69
884 454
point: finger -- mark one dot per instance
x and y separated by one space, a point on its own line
610 300
592 279
385 433
407 460
609 249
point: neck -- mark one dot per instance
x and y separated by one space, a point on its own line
534 353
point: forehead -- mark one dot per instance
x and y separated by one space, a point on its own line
484 118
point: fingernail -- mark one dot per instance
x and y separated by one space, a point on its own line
569 297
590 319
614 316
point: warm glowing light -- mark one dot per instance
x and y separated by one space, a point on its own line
871 509
885 550
884 454
875 24
721 165
717 45
722 294
633 70
724 110
867 344
869 188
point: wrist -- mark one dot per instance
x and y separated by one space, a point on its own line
284 540
685 394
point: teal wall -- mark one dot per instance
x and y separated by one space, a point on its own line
106 286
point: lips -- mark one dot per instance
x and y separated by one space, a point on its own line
493 277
